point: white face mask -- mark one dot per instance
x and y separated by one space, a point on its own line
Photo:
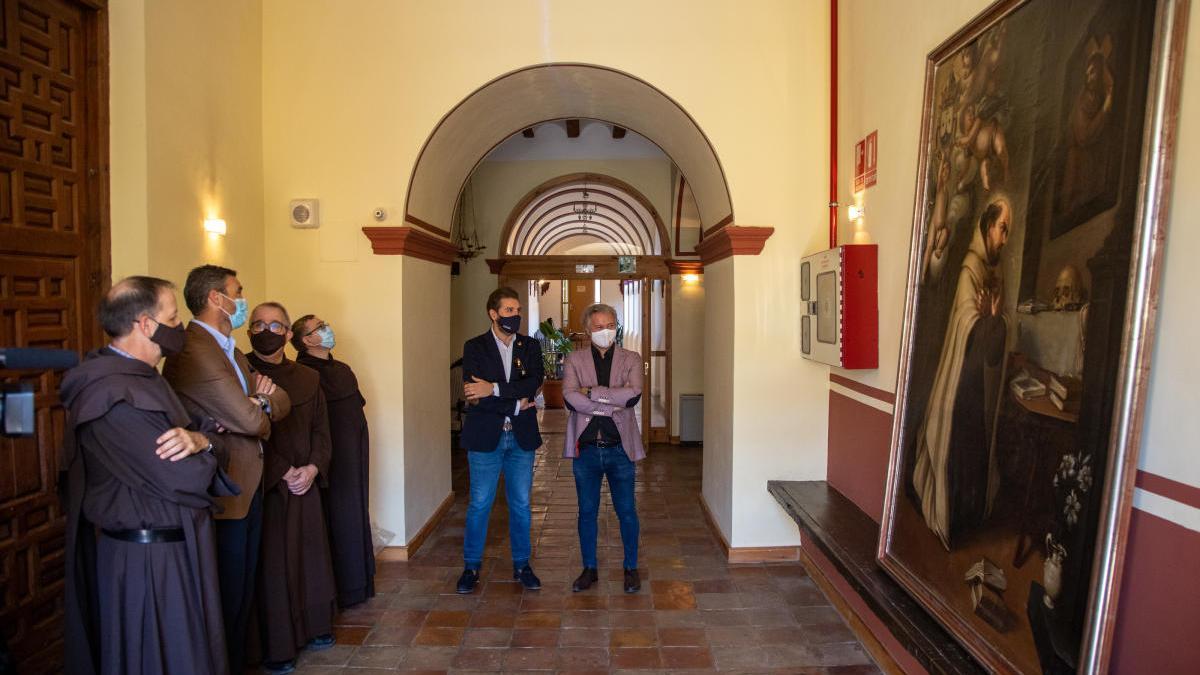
604 338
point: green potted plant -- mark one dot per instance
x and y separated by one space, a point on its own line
557 346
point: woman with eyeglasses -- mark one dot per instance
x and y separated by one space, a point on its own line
346 496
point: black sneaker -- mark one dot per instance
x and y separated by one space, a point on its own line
633 582
466 583
586 578
279 667
527 578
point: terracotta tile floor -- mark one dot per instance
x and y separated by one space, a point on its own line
696 613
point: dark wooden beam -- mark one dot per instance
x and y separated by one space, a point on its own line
618 132
572 128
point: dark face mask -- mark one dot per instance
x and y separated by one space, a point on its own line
169 338
267 342
509 324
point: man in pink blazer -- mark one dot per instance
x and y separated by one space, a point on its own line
601 386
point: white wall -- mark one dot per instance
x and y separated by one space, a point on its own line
1172 425
427 356
687 342
717 481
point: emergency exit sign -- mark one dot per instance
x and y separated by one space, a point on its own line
866 160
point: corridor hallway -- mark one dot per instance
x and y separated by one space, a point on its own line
695 611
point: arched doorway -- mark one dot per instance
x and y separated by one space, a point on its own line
583 214
524 98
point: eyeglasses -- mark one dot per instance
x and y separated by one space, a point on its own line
275 327
319 327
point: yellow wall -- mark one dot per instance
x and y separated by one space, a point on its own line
186 105
127 134
238 108
350 136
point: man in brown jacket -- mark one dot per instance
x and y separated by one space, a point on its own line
214 380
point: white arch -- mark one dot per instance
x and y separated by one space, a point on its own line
526 97
581 211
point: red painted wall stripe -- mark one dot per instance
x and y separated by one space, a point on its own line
865 390
1158 615
860 438
1171 489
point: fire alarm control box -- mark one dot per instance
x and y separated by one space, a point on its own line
839 322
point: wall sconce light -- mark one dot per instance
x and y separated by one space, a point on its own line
215 226
855 212
690 278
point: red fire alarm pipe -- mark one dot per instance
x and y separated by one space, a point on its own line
833 122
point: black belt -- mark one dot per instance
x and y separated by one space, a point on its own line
164 535
601 444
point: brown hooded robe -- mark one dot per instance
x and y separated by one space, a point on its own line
296 586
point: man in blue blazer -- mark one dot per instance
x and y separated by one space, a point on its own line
502 372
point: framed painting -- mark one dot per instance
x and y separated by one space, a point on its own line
1042 187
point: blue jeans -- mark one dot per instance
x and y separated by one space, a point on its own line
517 466
590 467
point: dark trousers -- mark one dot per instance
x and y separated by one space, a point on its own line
238 542
591 467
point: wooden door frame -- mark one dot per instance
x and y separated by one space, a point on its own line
649 269
92 259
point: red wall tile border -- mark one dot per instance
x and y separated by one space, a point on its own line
865 390
1171 489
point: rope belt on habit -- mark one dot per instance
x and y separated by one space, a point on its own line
165 535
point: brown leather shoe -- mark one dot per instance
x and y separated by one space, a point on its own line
585 579
633 581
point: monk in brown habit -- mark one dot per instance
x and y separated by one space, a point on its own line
297 589
346 497
142 593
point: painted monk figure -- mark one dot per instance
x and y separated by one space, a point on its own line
956 476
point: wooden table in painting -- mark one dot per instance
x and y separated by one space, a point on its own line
1035 434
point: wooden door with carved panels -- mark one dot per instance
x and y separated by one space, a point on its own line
54 264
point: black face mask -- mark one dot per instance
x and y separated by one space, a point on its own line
509 324
169 338
267 342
